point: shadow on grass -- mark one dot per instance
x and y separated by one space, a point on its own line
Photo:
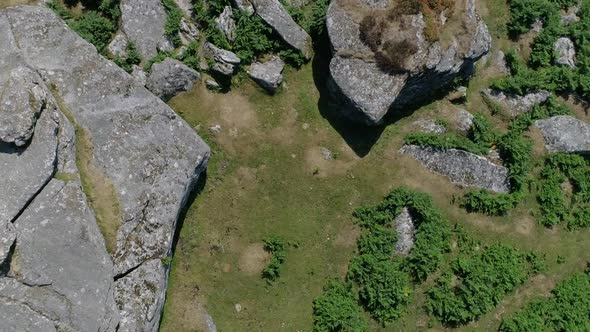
199 186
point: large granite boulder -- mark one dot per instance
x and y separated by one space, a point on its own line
170 77
268 74
461 167
565 134
514 104
60 275
143 22
393 61
276 16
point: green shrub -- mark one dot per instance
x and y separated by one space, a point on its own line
337 310
172 25
276 247
566 310
95 28
131 58
253 37
190 56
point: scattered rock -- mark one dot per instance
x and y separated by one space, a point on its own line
143 22
565 134
464 121
566 52
170 77
186 6
226 62
23 98
215 128
499 62
537 26
7 238
188 31
245 6
326 153
570 16
225 22
276 16
404 226
212 84
515 104
139 75
368 91
238 307
118 46
462 168
460 94
430 126
268 74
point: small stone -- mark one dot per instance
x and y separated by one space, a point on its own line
268 74
170 77
430 127
464 121
458 95
305 126
212 84
566 52
326 153
139 75
225 22
238 307
245 6
215 128
118 46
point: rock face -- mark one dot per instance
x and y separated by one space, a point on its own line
565 134
268 74
276 16
143 22
514 104
566 52
369 87
404 226
170 77
462 168
57 273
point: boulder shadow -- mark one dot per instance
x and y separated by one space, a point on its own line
195 192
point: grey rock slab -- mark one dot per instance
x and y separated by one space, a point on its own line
404 227
276 16
367 93
463 121
566 52
245 6
17 317
137 296
118 46
565 134
515 104
461 167
268 74
429 126
221 55
139 75
170 77
26 171
188 31
151 156
60 247
143 22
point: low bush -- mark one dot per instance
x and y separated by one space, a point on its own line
172 25
276 247
131 58
337 310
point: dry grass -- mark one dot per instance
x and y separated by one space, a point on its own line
11 3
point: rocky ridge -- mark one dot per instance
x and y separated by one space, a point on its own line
133 153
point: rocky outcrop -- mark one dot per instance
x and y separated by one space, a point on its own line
565 134
143 22
371 80
566 52
276 16
268 74
170 77
515 104
225 62
461 167
226 24
138 154
404 227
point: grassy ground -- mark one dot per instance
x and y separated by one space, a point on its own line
267 177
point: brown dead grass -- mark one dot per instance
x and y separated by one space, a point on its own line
11 3
253 259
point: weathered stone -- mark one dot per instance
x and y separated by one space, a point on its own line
367 91
463 121
212 84
139 75
276 16
7 238
22 98
429 126
138 296
566 52
570 16
188 31
245 6
225 22
143 22
515 104
565 134
499 62
186 6
462 168
148 155
170 77
226 62
57 221
19 317
404 227
66 147
326 153
25 172
268 74
118 46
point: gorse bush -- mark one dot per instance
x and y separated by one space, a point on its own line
566 310
337 310
131 58
276 247
172 25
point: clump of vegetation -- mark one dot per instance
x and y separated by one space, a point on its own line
393 55
172 26
190 56
555 206
566 310
131 58
338 310
276 247
476 282
96 26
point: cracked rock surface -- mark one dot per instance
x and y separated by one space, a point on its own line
55 270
